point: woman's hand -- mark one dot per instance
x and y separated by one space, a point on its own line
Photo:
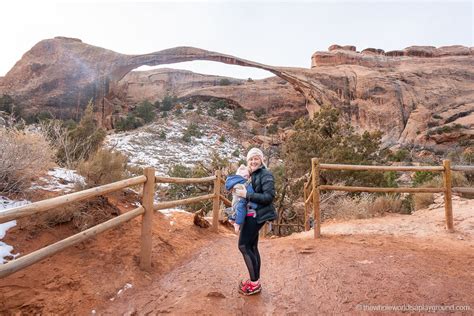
241 192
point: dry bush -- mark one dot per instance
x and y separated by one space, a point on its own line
422 200
386 204
343 206
23 156
82 215
105 166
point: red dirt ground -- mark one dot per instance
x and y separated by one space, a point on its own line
196 272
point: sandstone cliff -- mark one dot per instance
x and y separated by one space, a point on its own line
274 94
420 95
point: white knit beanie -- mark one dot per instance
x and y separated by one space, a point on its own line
255 152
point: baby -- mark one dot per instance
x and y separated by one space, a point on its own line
239 205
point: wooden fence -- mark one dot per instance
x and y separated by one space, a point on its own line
148 179
312 197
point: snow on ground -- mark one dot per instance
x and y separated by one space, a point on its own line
58 179
6 250
144 147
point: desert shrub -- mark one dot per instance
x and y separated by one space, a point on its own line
221 117
162 135
273 129
212 112
77 143
400 155
168 103
145 110
222 139
128 123
422 200
220 104
259 112
239 115
6 103
365 205
192 130
224 82
420 177
104 166
23 156
332 141
82 215
182 191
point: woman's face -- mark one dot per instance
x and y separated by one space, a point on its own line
254 163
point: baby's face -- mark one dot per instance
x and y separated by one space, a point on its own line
243 171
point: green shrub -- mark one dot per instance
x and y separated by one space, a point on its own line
236 153
221 104
190 106
333 141
222 139
239 114
259 112
421 177
222 117
6 103
212 112
224 82
192 130
273 129
168 103
400 155
162 135
145 110
128 123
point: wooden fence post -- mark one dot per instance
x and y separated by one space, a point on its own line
448 203
216 201
147 219
316 198
306 215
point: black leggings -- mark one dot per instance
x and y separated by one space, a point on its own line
248 245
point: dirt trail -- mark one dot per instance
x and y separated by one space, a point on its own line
304 276
355 263
196 271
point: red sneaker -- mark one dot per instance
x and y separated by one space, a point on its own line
250 289
243 283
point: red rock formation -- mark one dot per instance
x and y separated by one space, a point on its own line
393 94
275 95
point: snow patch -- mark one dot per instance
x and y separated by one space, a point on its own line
168 212
59 179
144 147
5 249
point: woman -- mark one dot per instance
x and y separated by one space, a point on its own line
264 188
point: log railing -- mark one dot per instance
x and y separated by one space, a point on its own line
148 180
312 188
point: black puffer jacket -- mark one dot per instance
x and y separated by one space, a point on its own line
263 184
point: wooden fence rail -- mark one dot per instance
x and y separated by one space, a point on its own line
312 188
40 206
148 179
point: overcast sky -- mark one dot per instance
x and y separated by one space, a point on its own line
270 32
